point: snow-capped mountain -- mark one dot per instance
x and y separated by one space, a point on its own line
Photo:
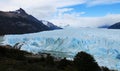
50 25
103 44
19 22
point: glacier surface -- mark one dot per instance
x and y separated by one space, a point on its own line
103 44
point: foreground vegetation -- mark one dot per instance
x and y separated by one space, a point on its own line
17 60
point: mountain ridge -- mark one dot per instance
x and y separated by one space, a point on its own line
115 26
19 22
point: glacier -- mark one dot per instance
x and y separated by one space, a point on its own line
103 44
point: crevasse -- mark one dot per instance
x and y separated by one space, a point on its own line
103 44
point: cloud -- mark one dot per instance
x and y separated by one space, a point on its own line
101 2
41 9
30 4
57 12
74 21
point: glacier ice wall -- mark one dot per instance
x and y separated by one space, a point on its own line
103 44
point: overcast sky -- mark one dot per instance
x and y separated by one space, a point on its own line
77 13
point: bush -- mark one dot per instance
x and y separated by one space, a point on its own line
85 62
106 69
50 60
63 63
17 60
12 53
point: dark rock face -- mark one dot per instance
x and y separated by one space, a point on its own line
19 22
115 26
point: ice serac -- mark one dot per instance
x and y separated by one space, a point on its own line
103 44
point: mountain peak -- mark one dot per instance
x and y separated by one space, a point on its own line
21 11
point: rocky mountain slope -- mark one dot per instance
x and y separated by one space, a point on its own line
19 22
115 26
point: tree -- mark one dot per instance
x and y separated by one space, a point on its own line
50 59
85 62
63 63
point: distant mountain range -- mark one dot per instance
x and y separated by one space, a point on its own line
115 26
19 22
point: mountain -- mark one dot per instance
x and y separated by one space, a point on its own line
19 22
50 25
115 26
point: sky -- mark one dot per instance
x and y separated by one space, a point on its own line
76 13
